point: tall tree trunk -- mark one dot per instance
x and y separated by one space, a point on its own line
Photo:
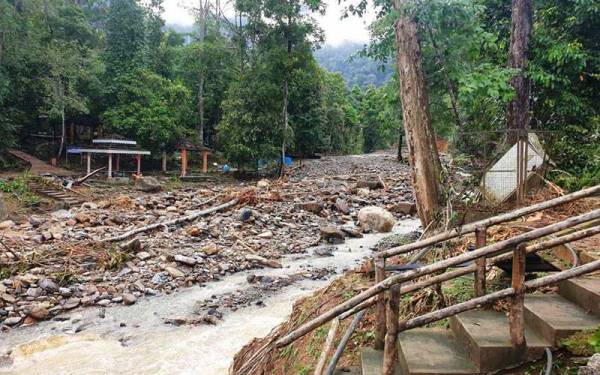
203 11
420 139
200 105
399 156
285 125
1 45
518 108
63 132
286 98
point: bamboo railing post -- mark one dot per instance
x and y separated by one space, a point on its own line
327 347
380 309
390 350
480 239
516 318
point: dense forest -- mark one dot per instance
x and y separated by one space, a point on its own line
250 86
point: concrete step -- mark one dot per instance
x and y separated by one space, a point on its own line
583 291
555 317
432 351
372 361
486 337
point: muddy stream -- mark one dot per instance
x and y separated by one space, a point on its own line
135 339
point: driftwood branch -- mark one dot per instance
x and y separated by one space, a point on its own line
179 220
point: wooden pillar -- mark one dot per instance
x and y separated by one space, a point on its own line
164 161
390 350
516 317
380 306
184 162
89 162
109 165
480 239
118 166
139 163
204 161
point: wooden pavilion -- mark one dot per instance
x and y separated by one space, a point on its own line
184 146
110 147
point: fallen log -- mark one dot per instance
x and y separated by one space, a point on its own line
81 180
179 220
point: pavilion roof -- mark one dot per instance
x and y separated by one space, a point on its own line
192 146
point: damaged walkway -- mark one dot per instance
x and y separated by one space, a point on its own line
39 167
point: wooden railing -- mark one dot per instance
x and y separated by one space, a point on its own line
386 291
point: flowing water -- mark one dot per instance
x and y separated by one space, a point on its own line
135 340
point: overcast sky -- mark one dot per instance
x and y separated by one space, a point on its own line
337 31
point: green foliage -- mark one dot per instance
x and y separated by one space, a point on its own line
18 189
251 127
584 343
114 258
149 108
125 38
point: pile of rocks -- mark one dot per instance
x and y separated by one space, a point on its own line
56 261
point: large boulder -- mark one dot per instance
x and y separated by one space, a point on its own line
147 184
404 207
376 219
332 234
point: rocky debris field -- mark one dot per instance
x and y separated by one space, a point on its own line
57 261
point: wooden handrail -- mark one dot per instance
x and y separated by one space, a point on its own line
588 232
490 250
495 296
469 228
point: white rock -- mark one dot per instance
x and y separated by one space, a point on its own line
143 255
376 219
174 272
267 234
185 260
6 224
12 321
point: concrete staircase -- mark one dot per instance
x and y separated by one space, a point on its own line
479 342
68 198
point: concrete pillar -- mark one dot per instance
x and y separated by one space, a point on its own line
118 167
89 162
204 161
139 163
109 165
164 161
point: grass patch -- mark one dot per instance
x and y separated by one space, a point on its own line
584 343
459 290
17 189
114 258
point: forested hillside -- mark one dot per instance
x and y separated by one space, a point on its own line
356 70
257 89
